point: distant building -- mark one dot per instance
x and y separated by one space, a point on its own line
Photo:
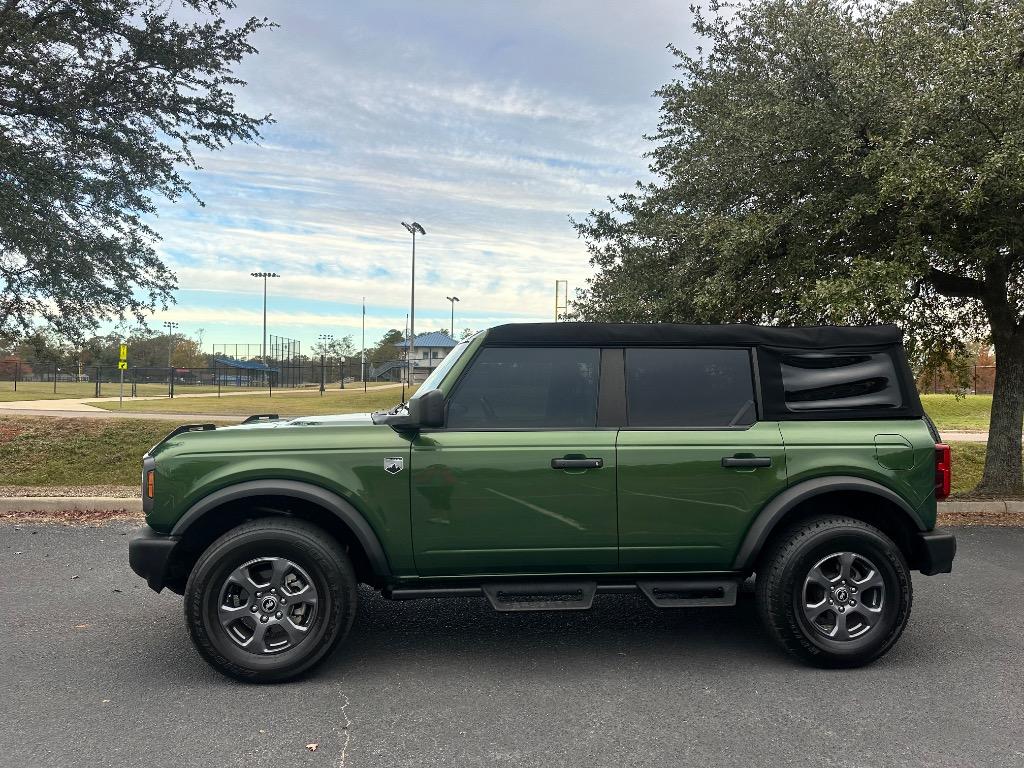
428 350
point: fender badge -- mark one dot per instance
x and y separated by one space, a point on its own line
393 464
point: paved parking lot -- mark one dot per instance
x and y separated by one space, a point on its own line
98 671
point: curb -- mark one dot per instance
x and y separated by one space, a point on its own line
67 503
993 507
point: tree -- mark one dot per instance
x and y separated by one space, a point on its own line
387 348
831 162
335 348
102 105
187 353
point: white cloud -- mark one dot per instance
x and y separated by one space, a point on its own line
489 124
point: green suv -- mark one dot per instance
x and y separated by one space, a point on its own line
542 464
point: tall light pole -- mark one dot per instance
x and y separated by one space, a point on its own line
171 328
264 275
325 340
453 299
362 351
413 229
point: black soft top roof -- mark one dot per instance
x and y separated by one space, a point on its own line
657 334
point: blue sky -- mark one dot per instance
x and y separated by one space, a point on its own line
489 123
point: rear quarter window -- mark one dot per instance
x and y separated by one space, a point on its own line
823 381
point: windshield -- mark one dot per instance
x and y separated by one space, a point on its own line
438 374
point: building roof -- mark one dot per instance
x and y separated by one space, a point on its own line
249 365
655 334
434 339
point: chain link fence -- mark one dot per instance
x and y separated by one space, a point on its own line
982 381
47 379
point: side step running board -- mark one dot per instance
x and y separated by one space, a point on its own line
690 594
579 595
541 596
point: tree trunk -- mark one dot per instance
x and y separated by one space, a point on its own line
1003 458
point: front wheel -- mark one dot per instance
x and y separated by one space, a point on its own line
270 599
834 592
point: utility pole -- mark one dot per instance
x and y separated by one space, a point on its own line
264 275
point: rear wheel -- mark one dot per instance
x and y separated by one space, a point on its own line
270 599
834 592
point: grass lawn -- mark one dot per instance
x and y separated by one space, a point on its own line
968 463
38 450
968 413
43 390
303 403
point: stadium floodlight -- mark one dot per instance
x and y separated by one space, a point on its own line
171 328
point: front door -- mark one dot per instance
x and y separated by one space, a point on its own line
695 465
520 480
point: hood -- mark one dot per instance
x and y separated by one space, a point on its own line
338 419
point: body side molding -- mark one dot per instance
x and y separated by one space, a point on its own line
330 501
776 509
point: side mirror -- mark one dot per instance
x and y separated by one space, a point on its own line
430 409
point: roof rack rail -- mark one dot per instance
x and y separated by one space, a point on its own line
190 428
261 417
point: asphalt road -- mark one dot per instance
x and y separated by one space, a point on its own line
98 671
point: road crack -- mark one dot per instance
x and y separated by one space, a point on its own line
347 733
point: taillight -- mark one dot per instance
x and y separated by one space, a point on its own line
943 471
151 483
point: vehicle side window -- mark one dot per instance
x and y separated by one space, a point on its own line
689 388
819 381
508 388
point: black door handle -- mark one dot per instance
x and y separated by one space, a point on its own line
746 461
577 463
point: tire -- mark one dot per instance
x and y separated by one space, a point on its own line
834 592
301 585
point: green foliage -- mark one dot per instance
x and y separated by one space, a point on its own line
334 349
829 163
102 103
826 161
386 349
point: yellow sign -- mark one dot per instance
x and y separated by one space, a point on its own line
124 353
122 365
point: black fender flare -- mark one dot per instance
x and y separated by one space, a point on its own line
776 509
330 501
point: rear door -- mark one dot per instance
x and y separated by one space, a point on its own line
520 479
694 463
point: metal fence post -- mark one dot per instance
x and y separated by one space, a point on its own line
55 377
17 373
